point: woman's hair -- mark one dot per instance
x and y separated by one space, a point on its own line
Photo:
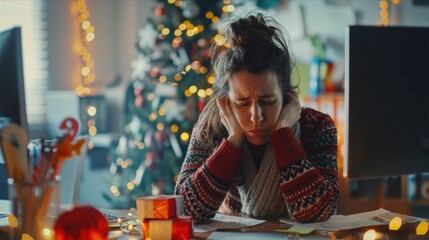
254 44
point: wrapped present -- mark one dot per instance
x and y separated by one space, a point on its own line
171 229
159 207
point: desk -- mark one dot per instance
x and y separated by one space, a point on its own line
268 226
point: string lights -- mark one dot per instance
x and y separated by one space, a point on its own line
384 12
86 36
187 29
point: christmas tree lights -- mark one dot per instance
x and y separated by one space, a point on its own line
171 80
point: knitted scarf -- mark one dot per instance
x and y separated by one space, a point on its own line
259 190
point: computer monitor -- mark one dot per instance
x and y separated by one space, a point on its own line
386 101
12 93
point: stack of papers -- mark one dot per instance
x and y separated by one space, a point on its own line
336 223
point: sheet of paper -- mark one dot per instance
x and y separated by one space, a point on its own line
340 222
296 230
258 236
221 221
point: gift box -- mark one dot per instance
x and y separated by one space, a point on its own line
159 207
172 229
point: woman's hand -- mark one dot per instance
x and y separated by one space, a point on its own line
291 112
228 119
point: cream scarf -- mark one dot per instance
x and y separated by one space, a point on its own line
260 190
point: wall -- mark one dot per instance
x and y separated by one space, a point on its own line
117 22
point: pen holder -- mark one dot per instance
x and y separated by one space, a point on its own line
35 207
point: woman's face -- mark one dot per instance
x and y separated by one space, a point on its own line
256 101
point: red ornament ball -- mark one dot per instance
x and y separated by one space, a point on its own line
159 11
139 101
82 222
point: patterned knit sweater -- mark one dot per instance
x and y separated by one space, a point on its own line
309 185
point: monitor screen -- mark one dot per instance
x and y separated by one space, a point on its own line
12 93
386 101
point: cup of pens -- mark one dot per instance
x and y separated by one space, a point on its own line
35 178
35 207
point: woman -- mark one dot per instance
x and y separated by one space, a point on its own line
254 149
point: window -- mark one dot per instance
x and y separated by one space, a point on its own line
29 15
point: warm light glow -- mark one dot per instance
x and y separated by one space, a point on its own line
85 25
395 224
90 37
90 123
85 71
189 33
384 13
209 91
369 235
384 4
203 70
177 32
188 68
150 96
215 19
91 110
165 31
153 116
231 8
162 78
184 136
26 236
385 21
422 228
201 93
130 186
193 89
178 3
92 131
209 15
188 93
91 29
90 64
91 144
211 79
171 1
396 1
182 26
162 111
160 126
140 145
90 78
174 128
177 77
47 233
12 221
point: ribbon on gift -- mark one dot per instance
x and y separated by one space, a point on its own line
172 229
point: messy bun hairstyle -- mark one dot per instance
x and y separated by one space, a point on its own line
254 44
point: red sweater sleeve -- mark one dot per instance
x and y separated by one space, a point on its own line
286 147
224 162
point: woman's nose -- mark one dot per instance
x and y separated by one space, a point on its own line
256 113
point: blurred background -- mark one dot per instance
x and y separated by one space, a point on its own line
136 73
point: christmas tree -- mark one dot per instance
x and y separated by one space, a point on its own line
171 79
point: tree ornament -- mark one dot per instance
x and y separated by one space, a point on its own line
160 10
201 104
160 136
139 101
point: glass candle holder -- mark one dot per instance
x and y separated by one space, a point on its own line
35 207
